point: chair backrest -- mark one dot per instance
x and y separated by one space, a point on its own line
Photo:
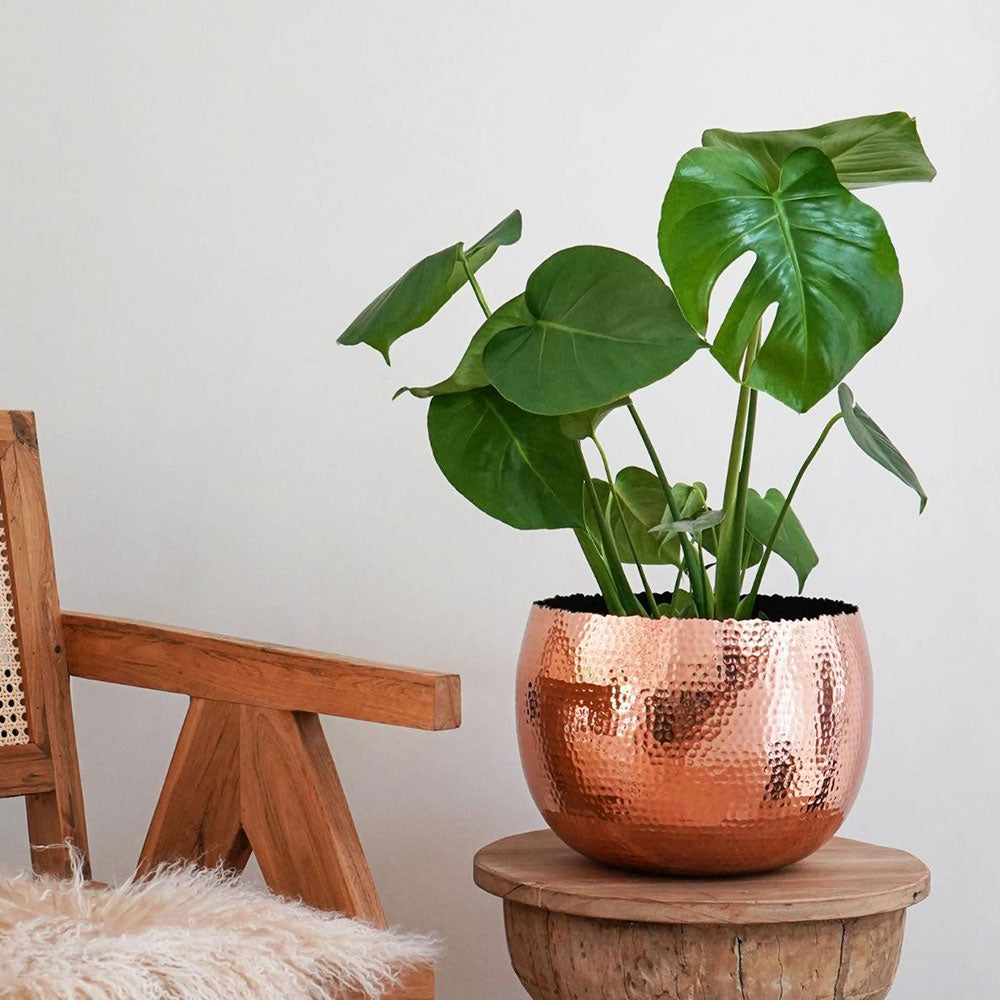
37 742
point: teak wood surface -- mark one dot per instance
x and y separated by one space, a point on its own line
846 878
827 928
217 667
251 771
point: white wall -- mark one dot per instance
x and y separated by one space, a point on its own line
195 198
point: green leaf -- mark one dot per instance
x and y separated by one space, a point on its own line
516 466
791 542
753 551
470 373
644 501
822 255
414 298
708 519
503 234
874 149
578 426
871 439
603 324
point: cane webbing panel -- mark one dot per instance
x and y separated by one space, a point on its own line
13 724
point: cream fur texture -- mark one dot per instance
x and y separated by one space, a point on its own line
184 933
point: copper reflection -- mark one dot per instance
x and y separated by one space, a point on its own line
694 747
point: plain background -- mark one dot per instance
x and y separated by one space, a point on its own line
195 198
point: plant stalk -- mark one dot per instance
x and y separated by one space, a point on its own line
475 284
729 566
600 570
695 569
628 599
751 597
650 599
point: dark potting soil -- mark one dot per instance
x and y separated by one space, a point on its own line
772 607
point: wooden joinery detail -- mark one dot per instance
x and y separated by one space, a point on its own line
197 817
297 818
25 770
55 805
222 669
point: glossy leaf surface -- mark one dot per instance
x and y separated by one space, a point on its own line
470 373
516 466
872 440
410 301
821 254
791 542
866 151
603 324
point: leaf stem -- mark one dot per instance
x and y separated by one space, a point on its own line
628 599
751 597
695 569
600 570
729 567
475 284
650 599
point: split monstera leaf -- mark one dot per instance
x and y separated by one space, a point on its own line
594 325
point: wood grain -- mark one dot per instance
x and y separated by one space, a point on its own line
55 816
297 818
25 770
559 956
215 667
846 878
197 817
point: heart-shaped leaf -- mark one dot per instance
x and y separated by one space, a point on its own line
791 542
871 439
414 298
470 373
643 502
866 151
603 324
824 256
517 467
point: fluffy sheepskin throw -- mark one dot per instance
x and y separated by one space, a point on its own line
183 933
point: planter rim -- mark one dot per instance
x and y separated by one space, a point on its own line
788 609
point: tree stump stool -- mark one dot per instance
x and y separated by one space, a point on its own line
827 928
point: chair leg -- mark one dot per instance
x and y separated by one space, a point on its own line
297 818
197 817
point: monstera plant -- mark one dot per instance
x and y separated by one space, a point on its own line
513 426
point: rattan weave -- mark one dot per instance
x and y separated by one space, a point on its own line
13 724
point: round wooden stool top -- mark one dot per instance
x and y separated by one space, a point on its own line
844 879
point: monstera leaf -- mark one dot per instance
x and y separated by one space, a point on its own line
602 325
517 467
415 297
791 542
872 440
822 255
470 373
642 504
875 149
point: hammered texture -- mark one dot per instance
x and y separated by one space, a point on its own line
692 746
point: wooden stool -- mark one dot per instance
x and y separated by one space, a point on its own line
827 928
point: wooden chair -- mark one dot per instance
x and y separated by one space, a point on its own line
251 771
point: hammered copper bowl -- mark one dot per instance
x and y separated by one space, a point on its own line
694 747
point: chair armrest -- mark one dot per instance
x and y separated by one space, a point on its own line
202 665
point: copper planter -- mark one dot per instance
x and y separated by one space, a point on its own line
694 747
